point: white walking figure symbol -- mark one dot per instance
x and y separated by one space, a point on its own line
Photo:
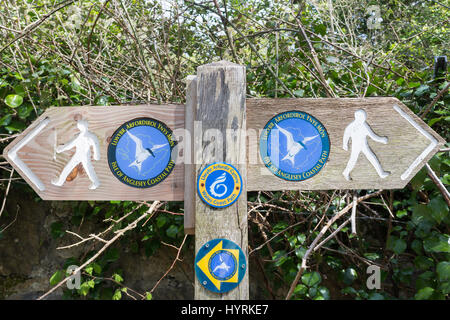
358 130
83 142
223 265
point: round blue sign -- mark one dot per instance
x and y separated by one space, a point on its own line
220 265
219 185
139 153
294 145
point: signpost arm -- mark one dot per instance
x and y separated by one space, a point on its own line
221 116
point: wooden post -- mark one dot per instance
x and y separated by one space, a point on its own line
220 115
189 166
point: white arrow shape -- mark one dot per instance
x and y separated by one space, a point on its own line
425 152
14 157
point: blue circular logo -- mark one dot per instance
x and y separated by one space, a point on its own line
294 145
220 265
219 185
139 153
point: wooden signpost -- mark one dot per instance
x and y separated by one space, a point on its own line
220 113
410 143
34 154
166 152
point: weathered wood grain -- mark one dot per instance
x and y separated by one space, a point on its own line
40 156
189 167
405 143
221 107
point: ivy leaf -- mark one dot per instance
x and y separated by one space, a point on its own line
117 295
349 276
56 230
311 279
421 90
15 126
4 121
117 277
376 296
279 257
161 221
301 289
56 278
443 271
89 270
439 209
3 83
13 100
397 245
84 289
323 294
424 293
416 245
299 93
111 255
301 237
372 256
300 252
425 279
423 263
437 243
401 213
172 231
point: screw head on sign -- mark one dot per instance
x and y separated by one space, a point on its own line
205 283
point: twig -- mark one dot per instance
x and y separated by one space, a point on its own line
320 235
438 183
12 222
6 192
119 233
36 24
177 258
353 217
332 234
274 236
435 100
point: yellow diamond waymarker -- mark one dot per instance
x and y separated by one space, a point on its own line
220 267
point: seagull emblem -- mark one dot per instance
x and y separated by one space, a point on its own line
142 153
222 266
293 147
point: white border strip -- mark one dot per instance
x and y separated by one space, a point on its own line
12 154
425 152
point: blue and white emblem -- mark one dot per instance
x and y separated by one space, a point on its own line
220 265
219 185
140 152
294 145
